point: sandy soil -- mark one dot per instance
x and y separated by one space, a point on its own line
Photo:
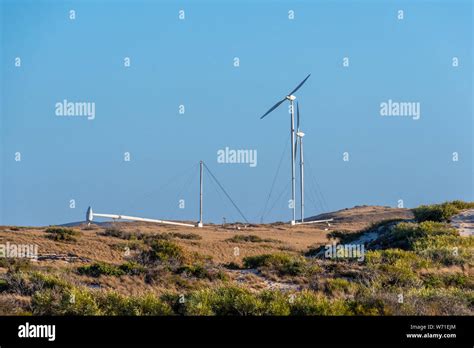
93 246
464 222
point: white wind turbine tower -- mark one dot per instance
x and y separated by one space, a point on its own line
299 140
290 97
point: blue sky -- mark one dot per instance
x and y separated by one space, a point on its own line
190 62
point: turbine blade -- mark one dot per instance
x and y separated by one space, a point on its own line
296 147
301 84
273 107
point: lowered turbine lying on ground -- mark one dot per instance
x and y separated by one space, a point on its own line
90 214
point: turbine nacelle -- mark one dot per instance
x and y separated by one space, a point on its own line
300 134
290 97
89 215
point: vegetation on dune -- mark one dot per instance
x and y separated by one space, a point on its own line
162 251
62 234
81 301
98 269
421 267
149 237
283 264
440 212
15 264
434 240
346 238
201 271
250 238
405 235
220 301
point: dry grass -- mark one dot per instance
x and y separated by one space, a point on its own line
92 245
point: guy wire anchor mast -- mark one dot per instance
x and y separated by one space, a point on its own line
200 193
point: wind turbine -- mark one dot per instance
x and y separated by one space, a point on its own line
291 98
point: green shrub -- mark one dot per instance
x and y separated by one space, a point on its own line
117 233
224 301
62 234
368 305
131 268
200 303
375 258
18 283
46 302
457 280
395 268
405 235
440 212
200 271
42 281
284 264
447 250
232 265
149 304
441 301
112 303
310 303
100 268
238 301
189 236
443 244
461 205
398 276
275 303
149 238
250 238
14 264
74 301
3 285
339 286
162 251
81 301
